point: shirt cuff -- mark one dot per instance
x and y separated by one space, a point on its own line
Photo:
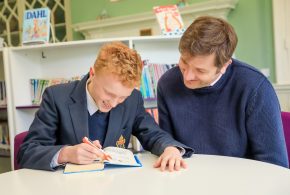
54 163
181 150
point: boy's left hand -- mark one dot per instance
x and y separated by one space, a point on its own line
172 158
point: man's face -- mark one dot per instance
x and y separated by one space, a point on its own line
107 91
199 71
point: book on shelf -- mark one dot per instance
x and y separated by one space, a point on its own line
4 140
36 26
169 20
150 75
154 113
3 100
120 157
37 86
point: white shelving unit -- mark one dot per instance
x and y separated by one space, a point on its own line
157 49
66 60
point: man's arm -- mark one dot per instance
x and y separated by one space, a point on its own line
264 126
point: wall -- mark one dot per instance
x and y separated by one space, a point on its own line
252 20
123 7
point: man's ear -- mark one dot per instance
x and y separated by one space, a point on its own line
91 72
225 66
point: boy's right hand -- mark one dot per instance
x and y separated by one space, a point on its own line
80 154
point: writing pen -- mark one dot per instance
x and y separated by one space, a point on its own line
88 141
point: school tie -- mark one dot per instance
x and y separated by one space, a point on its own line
98 124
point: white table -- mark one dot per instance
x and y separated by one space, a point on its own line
206 174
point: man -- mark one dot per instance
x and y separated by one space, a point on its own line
218 105
104 106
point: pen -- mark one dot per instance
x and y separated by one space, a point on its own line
88 141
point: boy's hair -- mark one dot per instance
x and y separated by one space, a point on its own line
208 35
119 59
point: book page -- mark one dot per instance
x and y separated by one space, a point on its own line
121 156
74 168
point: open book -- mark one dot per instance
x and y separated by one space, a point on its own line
120 157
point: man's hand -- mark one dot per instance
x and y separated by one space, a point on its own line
172 158
80 154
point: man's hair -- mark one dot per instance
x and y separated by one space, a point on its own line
119 59
208 35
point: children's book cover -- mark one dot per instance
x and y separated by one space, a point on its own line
36 26
169 20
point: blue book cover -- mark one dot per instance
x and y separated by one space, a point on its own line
36 26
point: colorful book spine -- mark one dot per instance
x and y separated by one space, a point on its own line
38 86
150 76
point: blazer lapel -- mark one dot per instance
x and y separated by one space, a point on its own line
79 117
78 110
114 126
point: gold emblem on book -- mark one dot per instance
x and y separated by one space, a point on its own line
121 142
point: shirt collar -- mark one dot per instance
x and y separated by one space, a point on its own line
91 104
215 81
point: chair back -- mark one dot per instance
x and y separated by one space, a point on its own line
286 127
17 143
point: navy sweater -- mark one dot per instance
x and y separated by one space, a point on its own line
239 116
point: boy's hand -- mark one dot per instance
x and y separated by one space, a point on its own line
80 154
172 158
